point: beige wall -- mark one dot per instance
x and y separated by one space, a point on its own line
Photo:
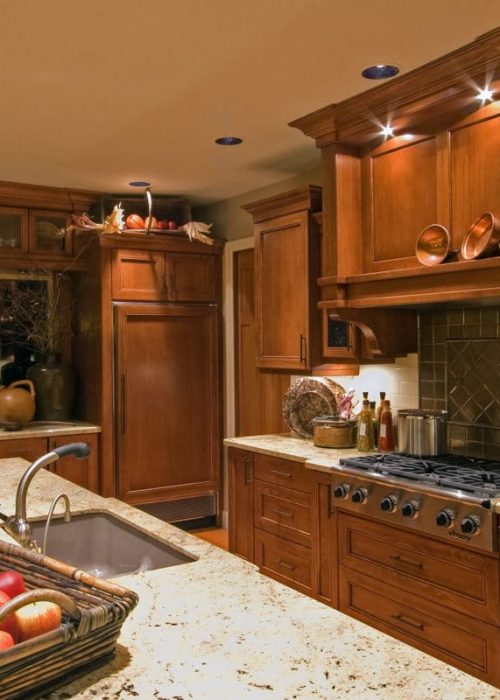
231 222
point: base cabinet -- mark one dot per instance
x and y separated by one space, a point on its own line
439 598
83 472
275 508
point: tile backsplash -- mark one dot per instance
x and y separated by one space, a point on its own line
459 371
398 380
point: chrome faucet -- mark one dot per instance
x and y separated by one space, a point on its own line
67 516
17 525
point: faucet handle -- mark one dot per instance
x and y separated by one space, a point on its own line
78 449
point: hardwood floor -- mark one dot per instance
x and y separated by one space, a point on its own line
216 535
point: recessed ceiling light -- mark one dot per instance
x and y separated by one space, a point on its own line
387 131
485 95
229 141
380 71
139 183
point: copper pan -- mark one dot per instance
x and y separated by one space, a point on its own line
433 245
483 237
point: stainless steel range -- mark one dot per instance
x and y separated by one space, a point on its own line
451 497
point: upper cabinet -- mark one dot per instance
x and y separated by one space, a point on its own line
440 166
287 251
35 225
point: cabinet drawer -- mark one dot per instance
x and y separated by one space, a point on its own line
283 512
285 561
26 448
282 472
457 578
458 639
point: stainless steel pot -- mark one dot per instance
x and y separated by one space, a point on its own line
422 433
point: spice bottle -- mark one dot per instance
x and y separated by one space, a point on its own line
379 408
386 428
366 440
375 421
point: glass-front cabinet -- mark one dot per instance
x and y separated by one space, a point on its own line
48 232
13 230
39 233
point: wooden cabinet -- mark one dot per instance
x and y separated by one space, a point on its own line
240 507
167 416
142 275
279 518
156 367
437 597
379 193
286 267
35 225
84 472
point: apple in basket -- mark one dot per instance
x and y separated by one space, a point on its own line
12 583
10 624
6 640
37 618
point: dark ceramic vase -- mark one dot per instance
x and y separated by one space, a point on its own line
54 386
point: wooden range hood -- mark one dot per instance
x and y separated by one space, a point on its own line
441 166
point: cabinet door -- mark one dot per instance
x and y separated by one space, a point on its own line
138 275
241 520
190 277
25 448
13 231
282 292
83 472
167 401
47 233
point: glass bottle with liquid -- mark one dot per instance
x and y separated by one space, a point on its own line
366 441
386 428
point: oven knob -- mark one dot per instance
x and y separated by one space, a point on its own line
470 525
389 504
341 491
359 495
445 518
410 509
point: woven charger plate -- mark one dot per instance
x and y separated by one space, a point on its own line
309 398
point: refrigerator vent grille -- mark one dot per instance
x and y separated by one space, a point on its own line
182 509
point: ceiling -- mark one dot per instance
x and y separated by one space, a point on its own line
96 94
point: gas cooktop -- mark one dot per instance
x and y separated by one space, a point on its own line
478 477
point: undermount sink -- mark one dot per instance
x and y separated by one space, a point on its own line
105 546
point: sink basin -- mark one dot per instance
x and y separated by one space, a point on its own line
105 546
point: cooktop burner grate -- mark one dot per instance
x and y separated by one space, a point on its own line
477 476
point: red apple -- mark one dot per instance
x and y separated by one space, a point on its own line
6 640
162 224
12 583
37 618
10 623
171 225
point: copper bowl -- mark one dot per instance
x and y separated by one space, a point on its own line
482 239
433 245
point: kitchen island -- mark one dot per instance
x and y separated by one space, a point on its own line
216 628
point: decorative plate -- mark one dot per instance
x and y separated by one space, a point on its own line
309 398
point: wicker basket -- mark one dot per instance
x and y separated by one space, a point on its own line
93 612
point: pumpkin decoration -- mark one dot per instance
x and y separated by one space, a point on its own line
134 221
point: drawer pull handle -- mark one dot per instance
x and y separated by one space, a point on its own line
280 473
410 562
407 621
284 513
284 564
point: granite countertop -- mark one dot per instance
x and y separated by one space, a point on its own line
295 449
216 628
49 429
